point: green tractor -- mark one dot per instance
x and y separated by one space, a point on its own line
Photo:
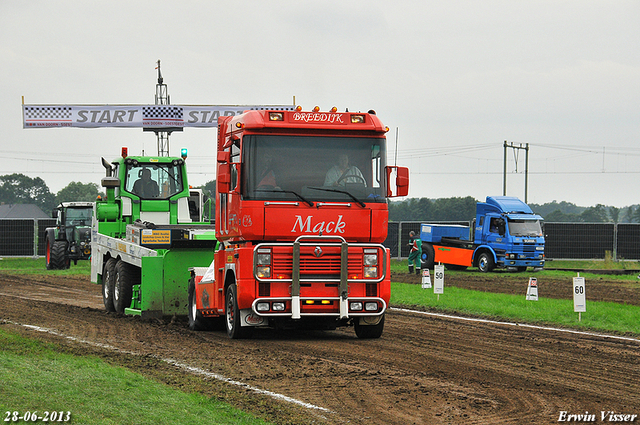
70 240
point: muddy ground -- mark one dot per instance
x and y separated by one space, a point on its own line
423 370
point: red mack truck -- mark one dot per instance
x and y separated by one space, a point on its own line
301 214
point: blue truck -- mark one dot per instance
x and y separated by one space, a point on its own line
505 234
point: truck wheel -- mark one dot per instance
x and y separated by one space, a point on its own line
197 322
428 256
368 331
122 286
234 329
58 256
108 272
485 262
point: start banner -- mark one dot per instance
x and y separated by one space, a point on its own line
145 116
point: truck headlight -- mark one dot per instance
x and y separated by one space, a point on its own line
355 305
263 272
371 306
370 260
370 272
539 248
278 306
262 307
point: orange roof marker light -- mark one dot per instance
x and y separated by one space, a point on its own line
298 108
334 110
316 109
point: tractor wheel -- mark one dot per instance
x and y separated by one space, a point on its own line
58 256
368 331
485 262
233 321
122 286
108 272
48 254
428 256
197 322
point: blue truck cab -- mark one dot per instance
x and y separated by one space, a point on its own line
505 234
507 230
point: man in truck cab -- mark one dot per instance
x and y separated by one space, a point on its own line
145 187
343 173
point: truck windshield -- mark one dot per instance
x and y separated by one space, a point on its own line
153 180
313 168
525 228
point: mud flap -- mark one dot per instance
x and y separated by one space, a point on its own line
249 318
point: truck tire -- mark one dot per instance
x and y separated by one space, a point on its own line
485 262
368 331
233 322
58 259
197 322
428 256
108 272
122 286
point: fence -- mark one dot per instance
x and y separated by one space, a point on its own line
25 238
562 240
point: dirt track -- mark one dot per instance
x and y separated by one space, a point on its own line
424 369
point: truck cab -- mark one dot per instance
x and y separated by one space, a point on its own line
509 234
301 211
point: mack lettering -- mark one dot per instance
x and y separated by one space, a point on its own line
307 225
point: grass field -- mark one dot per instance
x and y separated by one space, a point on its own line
36 377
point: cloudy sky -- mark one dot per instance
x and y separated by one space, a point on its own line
452 80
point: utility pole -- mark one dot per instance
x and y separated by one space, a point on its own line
526 167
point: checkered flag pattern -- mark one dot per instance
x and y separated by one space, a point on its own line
162 112
47 113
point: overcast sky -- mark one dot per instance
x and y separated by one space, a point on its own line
453 80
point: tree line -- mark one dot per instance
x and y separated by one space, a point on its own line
464 209
21 189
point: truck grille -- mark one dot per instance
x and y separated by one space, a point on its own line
312 266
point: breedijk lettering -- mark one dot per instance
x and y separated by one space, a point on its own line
318 117
307 225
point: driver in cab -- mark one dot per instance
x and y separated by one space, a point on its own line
343 173
145 187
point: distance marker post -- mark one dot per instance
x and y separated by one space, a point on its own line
438 281
532 289
579 298
426 279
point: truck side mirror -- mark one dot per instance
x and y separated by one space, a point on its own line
401 181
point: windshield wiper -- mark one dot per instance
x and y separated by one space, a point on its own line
362 204
302 198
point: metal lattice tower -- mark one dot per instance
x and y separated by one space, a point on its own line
162 98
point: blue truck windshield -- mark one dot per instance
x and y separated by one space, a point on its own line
529 228
313 168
